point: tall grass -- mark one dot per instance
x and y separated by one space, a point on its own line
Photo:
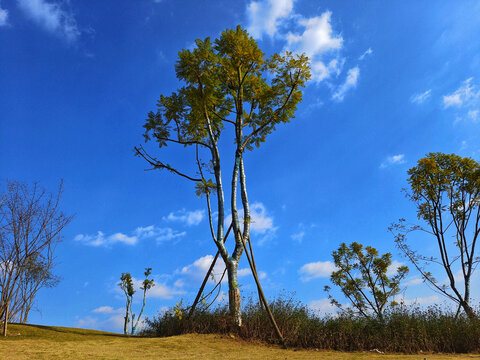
403 329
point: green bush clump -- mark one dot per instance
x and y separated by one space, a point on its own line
402 329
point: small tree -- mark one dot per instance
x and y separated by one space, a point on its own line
446 191
126 284
228 83
146 285
362 278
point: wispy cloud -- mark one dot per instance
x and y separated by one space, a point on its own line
107 310
413 281
350 83
189 218
140 233
265 16
465 95
160 234
51 16
319 269
421 98
465 100
100 239
367 52
298 237
3 16
393 160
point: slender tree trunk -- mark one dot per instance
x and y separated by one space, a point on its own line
125 325
234 300
6 321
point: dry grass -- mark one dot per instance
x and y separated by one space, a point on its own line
45 342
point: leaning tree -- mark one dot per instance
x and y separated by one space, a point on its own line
446 191
226 83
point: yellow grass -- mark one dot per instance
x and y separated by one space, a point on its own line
45 342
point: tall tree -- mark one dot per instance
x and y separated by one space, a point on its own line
446 191
362 277
31 225
227 83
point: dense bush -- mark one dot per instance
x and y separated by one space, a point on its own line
403 329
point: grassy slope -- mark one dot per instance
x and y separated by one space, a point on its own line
45 342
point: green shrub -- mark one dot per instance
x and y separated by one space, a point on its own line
402 329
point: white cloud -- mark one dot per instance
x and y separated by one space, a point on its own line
317 269
322 306
421 98
87 322
473 115
466 95
52 17
393 160
3 16
261 223
317 37
243 272
107 310
140 233
350 83
298 236
392 269
367 52
413 281
189 218
265 16
316 41
198 269
427 300
101 240
161 291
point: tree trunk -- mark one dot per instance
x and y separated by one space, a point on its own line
234 300
125 325
6 321
468 310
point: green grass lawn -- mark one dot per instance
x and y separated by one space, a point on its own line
51 342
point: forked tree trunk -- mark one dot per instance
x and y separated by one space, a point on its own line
234 300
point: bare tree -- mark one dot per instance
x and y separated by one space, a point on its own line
30 230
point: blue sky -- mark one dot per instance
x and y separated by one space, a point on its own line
391 82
